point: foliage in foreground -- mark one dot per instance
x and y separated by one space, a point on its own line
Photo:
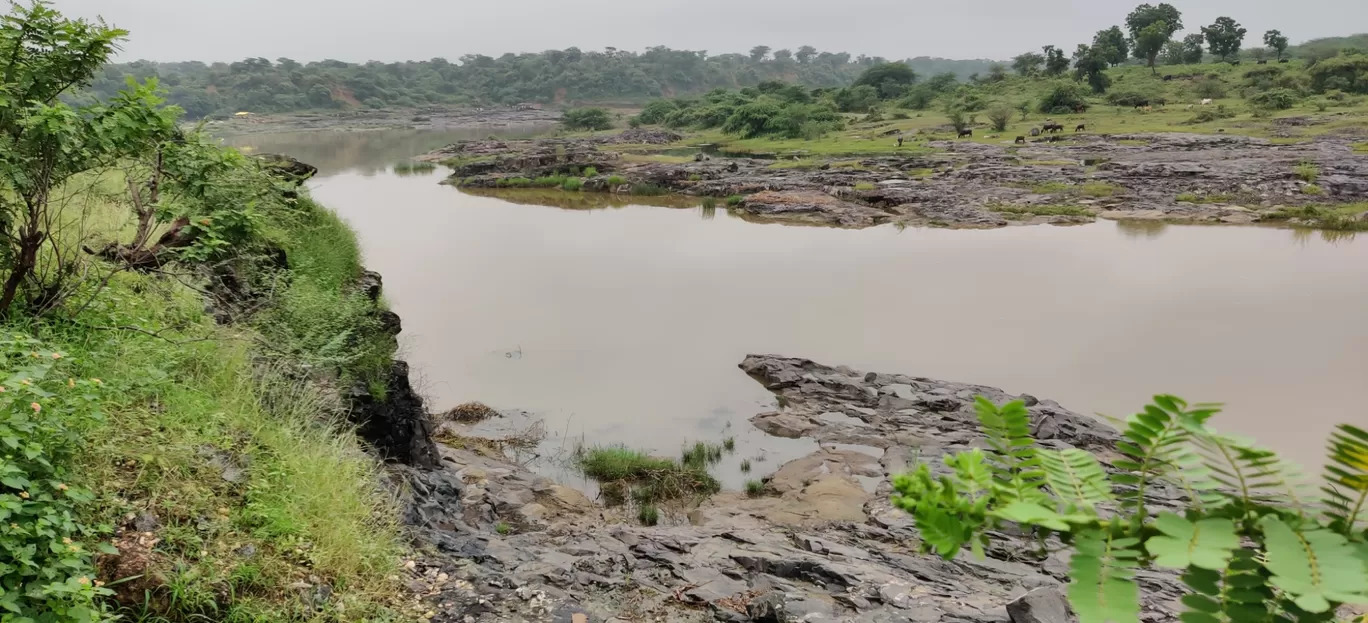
1252 546
46 568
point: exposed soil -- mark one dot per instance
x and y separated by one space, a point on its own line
1179 177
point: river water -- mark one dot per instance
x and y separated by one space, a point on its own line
625 324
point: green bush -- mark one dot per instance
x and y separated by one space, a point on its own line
47 572
572 184
590 172
1209 88
1211 113
614 181
1063 98
860 98
656 111
586 119
917 98
1250 548
1277 99
735 200
752 119
1000 115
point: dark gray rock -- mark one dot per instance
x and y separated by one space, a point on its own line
1041 605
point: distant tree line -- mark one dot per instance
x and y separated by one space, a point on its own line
555 76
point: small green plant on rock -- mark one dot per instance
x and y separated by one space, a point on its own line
503 528
1251 546
1312 189
1308 172
755 488
572 184
614 181
865 186
590 172
648 514
735 200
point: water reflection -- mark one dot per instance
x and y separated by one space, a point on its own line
1303 235
366 152
1141 228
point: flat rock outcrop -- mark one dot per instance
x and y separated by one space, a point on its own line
823 544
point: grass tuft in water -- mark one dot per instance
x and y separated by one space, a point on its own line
648 478
649 190
745 466
735 200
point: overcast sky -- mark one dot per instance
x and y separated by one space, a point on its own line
361 30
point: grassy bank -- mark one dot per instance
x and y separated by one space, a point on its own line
224 480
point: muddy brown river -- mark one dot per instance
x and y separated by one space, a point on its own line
625 324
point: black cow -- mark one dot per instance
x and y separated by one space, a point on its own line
1081 128
1168 77
1035 131
1020 140
1054 127
1234 62
965 132
1261 63
1282 60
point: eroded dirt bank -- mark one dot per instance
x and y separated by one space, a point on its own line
822 544
1180 177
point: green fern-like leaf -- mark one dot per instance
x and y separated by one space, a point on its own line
1208 543
1103 588
1256 476
1317 568
1076 477
1346 477
1239 593
1157 445
1015 465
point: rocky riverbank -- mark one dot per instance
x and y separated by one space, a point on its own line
822 544
1073 179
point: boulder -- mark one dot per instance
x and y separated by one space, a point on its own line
1041 605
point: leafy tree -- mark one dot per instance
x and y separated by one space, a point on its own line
1150 28
1090 63
1250 546
1027 64
997 72
1056 62
860 98
1000 115
887 73
957 118
1275 40
752 119
1113 42
1173 53
759 52
805 54
44 140
1224 37
942 82
783 55
586 119
1192 49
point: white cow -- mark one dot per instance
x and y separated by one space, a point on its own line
1206 102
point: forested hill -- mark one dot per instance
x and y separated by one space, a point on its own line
554 76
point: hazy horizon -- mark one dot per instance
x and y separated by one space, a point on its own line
348 30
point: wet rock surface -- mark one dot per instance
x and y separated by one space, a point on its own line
1234 179
822 543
